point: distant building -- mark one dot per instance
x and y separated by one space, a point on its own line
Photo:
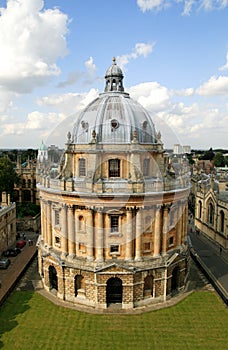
7 222
114 216
42 153
25 190
179 149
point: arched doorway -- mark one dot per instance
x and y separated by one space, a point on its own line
114 291
175 279
148 286
53 278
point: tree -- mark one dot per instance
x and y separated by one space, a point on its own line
208 155
8 176
219 159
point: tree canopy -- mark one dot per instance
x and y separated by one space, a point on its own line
219 160
8 176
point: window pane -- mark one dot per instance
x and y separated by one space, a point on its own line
114 168
82 167
114 249
146 163
114 223
56 217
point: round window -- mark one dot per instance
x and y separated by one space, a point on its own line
114 124
144 124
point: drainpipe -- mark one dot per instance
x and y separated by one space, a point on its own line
165 283
64 289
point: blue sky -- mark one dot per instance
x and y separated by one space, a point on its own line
174 55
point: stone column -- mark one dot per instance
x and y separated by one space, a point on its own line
76 231
45 222
89 229
64 230
42 218
157 232
185 222
138 235
165 229
100 239
179 224
129 228
71 235
49 225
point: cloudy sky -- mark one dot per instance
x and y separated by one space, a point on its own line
174 55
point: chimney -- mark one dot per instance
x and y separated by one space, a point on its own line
4 199
8 199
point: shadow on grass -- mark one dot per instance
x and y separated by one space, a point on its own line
18 303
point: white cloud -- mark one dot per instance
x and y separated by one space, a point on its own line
184 92
68 103
214 86
147 5
150 95
91 67
140 49
225 66
6 100
31 40
88 76
158 5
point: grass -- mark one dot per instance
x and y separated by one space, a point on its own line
29 321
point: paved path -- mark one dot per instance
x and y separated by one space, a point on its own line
10 276
209 253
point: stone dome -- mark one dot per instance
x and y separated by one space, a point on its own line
43 147
113 70
114 117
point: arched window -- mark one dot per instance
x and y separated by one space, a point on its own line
175 281
82 167
78 283
114 168
148 286
23 183
29 183
200 209
113 85
210 214
53 278
222 221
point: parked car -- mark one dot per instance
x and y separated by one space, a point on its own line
11 252
4 263
20 244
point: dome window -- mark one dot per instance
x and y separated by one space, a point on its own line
84 125
114 124
144 124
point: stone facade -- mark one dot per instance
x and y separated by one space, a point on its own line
113 221
25 190
211 214
7 223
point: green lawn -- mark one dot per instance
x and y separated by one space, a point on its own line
29 321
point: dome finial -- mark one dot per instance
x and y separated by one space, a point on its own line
113 60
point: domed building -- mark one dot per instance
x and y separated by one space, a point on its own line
114 219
